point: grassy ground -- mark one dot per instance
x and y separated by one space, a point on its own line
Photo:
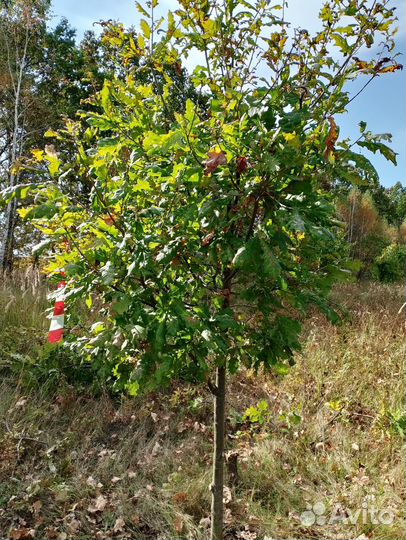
330 434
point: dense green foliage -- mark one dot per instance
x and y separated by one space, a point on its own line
390 265
203 232
391 203
367 231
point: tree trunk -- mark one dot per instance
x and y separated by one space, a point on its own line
218 455
7 246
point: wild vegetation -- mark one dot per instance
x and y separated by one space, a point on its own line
80 462
199 223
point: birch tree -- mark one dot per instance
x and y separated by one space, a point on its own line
20 23
43 78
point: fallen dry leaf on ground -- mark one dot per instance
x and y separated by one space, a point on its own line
119 525
98 505
22 534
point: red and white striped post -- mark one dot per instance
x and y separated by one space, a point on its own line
57 320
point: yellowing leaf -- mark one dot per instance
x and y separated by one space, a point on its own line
52 158
38 154
210 28
105 96
391 69
142 185
22 212
145 91
146 30
190 113
51 133
292 139
141 41
141 9
133 388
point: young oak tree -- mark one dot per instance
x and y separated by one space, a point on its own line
209 232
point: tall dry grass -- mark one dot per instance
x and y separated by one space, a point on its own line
22 297
332 435
23 322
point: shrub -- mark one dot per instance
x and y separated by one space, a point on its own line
390 265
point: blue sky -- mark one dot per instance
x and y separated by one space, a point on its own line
382 105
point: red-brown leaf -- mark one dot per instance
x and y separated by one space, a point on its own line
332 137
242 164
214 160
208 239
